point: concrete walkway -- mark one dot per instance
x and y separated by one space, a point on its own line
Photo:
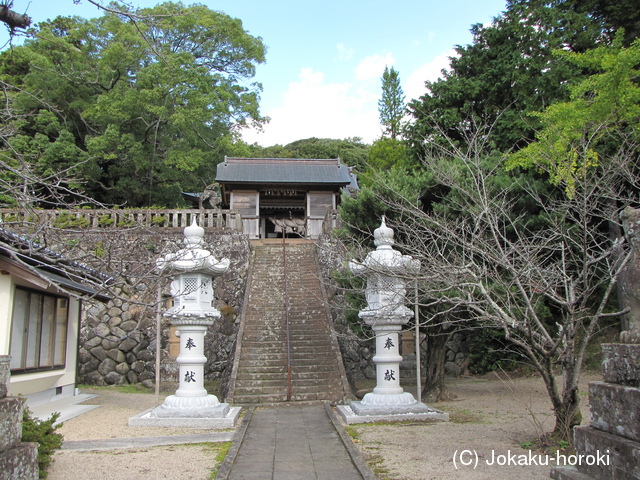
293 442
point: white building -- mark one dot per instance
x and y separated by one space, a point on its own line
40 304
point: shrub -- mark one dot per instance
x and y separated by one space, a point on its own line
105 221
44 433
489 351
158 220
65 220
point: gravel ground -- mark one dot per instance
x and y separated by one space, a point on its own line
180 462
489 417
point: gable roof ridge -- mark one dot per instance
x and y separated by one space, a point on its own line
276 160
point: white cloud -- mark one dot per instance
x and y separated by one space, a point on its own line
344 52
312 108
373 66
414 86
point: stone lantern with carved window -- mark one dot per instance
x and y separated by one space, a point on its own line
386 271
193 312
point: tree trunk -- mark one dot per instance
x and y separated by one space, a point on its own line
568 416
433 364
566 406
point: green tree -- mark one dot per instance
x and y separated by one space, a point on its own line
351 151
152 104
386 153
547 281
391 105
509 71
603 112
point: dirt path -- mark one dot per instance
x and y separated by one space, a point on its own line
184 462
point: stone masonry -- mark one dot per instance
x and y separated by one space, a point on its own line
17 460
613 438
118 339
615 421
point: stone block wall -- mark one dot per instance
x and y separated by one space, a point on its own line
17 460
612 441
118 339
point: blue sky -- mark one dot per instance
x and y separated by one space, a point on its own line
325 58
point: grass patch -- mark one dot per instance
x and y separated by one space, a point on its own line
376 464
222 451
353 433
548 445
464 416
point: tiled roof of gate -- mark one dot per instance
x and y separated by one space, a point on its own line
283 170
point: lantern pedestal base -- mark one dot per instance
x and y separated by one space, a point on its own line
221 416
377 404
358 412
207 406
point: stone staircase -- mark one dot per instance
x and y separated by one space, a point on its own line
260 373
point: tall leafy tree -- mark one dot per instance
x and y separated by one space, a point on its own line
151 104
386 153
351 151
603 113
509 70
547 281
391 105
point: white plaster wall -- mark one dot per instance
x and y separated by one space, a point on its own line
6 302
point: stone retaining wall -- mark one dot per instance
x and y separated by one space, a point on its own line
118 339
17 460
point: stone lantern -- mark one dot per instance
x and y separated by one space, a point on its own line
194 269
386 271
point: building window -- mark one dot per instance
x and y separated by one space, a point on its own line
38 331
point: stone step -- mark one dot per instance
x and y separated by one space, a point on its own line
315 371
568 473
615 409
272 341
301 361
263 355
240 399
262 382
299 392
620 454
309 339
263 386
306 348
275 375
262 345
315 382
263 368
